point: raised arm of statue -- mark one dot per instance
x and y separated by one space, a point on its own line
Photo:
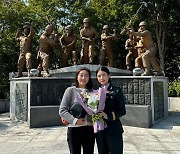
31 34
141 34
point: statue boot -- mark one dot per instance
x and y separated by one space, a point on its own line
147 72
157 68
19 74
160 73
128 67
46 74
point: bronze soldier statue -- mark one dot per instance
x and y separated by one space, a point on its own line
88 35
106 49
67 42
25 48
140 50
132 52
149 56
46 43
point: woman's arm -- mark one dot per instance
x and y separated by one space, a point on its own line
65 105
120 105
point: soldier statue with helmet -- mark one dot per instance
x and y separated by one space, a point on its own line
25 48
149 55
46 44
132 51
88 35
67 42
106 49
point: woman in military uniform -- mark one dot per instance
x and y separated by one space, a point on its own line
110 139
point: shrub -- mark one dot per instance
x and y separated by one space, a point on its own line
174 88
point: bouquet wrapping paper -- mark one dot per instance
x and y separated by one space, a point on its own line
94 102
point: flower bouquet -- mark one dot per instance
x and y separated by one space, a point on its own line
93 103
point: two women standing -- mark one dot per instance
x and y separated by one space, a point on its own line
80 130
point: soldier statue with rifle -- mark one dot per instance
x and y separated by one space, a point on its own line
149 55
148 48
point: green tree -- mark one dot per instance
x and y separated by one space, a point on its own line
162 17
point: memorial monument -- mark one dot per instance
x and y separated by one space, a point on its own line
36 99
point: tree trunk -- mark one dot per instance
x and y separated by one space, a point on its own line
160 33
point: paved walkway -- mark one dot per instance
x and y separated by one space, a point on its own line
17 138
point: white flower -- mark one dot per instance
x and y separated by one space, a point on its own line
93 102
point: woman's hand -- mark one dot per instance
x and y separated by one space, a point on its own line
80 121
103 115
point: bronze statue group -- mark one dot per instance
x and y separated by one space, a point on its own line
140 47
143 50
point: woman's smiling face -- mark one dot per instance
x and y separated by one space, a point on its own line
103 78
83 78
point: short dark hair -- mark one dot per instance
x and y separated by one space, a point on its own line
89 85
104 69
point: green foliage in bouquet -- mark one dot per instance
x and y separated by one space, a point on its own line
94 103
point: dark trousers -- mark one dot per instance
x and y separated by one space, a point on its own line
110 140
81 136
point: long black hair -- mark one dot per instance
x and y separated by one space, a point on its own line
104 69
89 85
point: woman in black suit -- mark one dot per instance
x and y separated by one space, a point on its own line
110 139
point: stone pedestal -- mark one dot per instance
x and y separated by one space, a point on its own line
148 92
36 100
70 71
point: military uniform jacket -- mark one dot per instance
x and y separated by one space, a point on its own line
114 108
